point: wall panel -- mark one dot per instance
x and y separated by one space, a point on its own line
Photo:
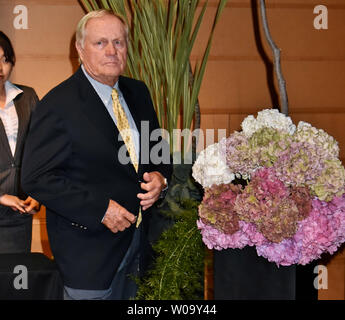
237 80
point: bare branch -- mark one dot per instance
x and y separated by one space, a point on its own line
277 65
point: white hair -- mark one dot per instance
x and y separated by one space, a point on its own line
80 32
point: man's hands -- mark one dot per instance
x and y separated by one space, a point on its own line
29 205
117 218
154 185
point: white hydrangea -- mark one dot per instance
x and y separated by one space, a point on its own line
249 126
304 126
210 167
267 118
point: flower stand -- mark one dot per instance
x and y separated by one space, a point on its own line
240 274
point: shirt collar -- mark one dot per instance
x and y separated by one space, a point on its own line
12 92
103 90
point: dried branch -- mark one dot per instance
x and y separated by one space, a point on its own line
277 65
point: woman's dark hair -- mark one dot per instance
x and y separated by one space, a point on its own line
6 45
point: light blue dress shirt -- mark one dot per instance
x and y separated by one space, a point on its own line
104 92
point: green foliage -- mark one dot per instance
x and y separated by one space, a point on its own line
182 186
178 272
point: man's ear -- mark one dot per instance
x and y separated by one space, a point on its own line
79 50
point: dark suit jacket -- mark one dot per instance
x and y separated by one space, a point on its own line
10 166
71 166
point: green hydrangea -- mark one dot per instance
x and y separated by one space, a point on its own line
267 143
330 182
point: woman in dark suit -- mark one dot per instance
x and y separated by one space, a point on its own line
16 105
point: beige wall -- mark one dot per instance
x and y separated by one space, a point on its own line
235 83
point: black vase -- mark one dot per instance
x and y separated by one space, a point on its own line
240 274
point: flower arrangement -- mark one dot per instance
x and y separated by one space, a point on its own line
275 186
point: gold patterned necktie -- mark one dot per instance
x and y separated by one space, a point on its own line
124 129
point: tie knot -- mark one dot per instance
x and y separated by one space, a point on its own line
114 94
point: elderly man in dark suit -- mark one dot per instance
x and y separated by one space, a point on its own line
98 196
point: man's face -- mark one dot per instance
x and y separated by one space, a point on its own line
104 54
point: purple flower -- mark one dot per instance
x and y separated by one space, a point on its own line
293 206
246 235
217 207
322 231
265 202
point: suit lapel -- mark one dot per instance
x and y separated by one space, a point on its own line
98 115
23 113
94 109
5 146
131 100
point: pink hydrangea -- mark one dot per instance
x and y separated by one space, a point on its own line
265 202
215 239
217 207
299 165
292 209
237 152
322 231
